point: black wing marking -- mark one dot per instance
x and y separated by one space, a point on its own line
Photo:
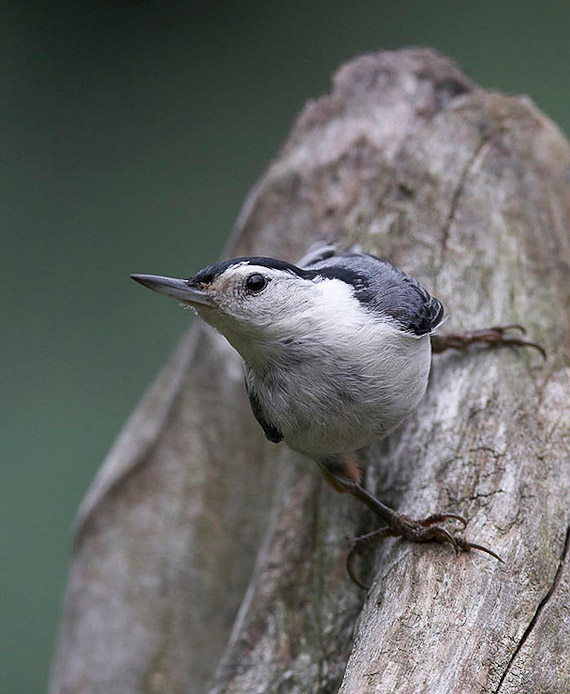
382 287
271 432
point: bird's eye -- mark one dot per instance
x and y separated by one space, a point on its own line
255 283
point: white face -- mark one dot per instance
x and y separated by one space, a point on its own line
265 312
253 300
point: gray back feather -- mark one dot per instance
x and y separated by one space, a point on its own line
382 287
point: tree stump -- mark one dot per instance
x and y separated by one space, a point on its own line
195 523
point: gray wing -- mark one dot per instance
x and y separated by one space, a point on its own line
384 288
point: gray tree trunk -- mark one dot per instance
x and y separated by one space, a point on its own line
195 523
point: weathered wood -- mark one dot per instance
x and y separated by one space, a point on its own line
469 191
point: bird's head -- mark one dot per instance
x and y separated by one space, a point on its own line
256 303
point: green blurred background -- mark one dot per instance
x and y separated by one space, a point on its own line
131 133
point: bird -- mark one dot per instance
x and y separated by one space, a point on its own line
337 352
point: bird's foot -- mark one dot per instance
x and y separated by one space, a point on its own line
422 530
429 530
509 335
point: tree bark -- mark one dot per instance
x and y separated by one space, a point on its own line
469 191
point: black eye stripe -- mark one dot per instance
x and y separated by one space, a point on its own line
255 283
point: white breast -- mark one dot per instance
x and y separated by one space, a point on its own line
345 380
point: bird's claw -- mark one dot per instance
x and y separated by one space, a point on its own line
422 530
468 546
360 545
507 327
508 335
505 337
350 570
439 517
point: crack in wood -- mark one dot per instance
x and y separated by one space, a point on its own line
483 495
487 449
541 605
455 201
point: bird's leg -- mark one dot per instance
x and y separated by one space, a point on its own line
416 530
510 335
423 530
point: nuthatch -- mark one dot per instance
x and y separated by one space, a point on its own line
337 352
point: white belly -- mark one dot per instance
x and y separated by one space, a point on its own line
341 402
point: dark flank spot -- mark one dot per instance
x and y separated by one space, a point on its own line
271 432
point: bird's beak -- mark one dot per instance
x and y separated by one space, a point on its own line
177 289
